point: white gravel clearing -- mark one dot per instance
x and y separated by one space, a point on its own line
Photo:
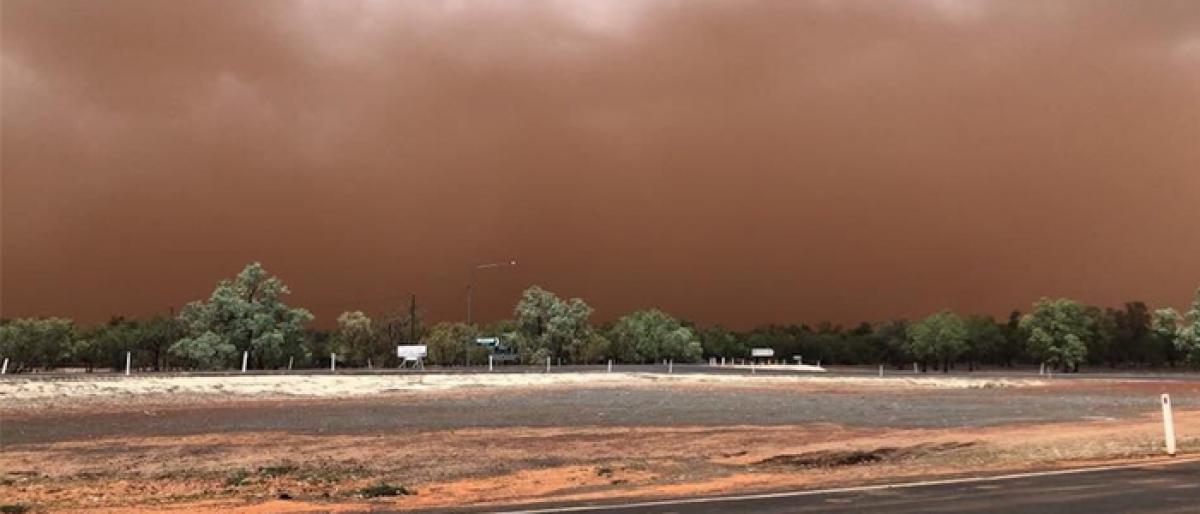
19 389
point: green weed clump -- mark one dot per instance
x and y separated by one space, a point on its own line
237 478
384 489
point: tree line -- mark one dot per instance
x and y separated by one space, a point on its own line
247 314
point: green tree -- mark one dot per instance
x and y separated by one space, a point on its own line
452 344
592 349
652 335
1183 331
547 326
941 337
1133 338
36 342
716 341
356 341
891 340
154 336
89 348
985 339
1057 332
147 339
1013 348
318 344
105 345
243 314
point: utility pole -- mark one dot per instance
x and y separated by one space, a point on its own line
412 318
471 283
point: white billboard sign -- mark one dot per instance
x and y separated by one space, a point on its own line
762 352
412 352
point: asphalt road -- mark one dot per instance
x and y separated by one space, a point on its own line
1161 489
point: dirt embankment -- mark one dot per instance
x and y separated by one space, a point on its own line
251 472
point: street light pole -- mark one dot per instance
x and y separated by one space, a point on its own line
471 283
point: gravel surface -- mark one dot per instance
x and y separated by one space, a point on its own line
668 405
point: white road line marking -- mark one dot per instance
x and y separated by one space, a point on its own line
879 487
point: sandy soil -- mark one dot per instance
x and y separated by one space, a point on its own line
32 390
281 470
248 472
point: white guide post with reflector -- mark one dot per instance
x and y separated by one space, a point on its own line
1168 424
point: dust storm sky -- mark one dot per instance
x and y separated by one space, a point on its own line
732 162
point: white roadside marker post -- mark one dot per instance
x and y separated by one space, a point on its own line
881 371
670 366
290 359
128 362
333 362
490 367
1042 371
610 365
1168 424
369 366
4 368
245 360
547 364
752 371
915 369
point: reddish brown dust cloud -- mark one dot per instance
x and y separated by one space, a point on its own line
730 162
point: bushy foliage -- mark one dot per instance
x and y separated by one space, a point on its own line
941 337
247 313
653 335
985 340
891 340
243 314
718 342
1181 330
595 348
318 344
548 326
105 345
359 342
36 342
453 344
1058 331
